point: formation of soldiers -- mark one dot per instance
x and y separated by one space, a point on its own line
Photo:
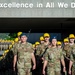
43 57
6 45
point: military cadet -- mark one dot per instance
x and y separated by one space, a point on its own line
72 62
66 55
71 40
47 38
59 44
66 41
67 51
24 52
46 43
72 54
41 39
53 57
14 43
34 72
37 44
40 51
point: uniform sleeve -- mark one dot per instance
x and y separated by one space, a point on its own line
71 57
46 55
15 50
61 54
32 49
38 50
12 49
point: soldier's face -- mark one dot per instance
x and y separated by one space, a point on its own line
23 39
59 46
41 42
47 39
66 43
36 46
54 42
72 40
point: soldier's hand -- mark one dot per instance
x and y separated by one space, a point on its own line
64 69
34 67
42 58
70 72
43 72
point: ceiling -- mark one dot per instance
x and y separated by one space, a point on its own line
37 24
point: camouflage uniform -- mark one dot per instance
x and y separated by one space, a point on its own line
13 48
72 57
53 56
67 52
39 62
15 44
23 51
41 48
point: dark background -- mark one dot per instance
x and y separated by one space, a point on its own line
65 26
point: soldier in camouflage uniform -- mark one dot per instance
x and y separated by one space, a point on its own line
71 53
52 60
34 72
42 39
72 62
59 44
24 52
41 48
39 52
66 41
67 51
